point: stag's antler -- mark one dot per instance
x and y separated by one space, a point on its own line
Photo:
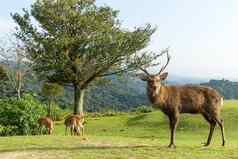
168 59
145 71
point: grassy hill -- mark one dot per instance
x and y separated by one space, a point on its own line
134 136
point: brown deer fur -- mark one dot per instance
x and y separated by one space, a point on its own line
75 123
46 122
174 100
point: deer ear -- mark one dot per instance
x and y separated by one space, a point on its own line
164 76
143 77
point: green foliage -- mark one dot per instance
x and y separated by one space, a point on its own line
81 43
228 89
3 73
8 130
59 114
19 117
52 89
143 109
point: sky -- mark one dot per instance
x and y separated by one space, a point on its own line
202 34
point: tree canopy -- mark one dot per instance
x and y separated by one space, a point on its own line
52 89
77 42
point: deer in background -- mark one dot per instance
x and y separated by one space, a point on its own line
75 123
174 100
47 123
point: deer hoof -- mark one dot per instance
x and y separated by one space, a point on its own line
172 146
206 144
223 144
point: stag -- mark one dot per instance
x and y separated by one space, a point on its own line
47 123
75 123
173 100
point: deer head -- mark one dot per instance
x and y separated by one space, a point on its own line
155 79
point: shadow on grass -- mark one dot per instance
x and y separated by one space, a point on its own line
134 147
136 120
147 120
79 148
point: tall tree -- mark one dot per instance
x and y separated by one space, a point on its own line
77 42
13 57
51 91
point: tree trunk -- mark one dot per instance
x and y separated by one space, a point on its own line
78 99
18 93
50 108
19 84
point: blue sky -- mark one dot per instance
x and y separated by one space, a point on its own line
202 34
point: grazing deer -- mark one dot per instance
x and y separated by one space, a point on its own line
47 123
174 100
75 123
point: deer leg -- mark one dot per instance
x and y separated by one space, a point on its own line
221 125
50 131
82 130
212 126
52 128
76 130
41 130
71 130
173 125
66 129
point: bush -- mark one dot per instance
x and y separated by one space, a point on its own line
143 109
58 113
19 117
8 130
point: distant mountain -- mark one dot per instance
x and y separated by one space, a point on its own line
122 94
176 79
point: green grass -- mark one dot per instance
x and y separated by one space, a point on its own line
132 136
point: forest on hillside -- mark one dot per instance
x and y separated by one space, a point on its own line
121 94
228 89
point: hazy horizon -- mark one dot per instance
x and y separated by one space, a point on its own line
201 34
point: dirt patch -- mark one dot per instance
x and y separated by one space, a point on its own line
14 155
33 155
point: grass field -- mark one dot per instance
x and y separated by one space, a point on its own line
132 136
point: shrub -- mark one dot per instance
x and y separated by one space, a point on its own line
58 113
143 109
93 114
19 117
112 113
8 130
